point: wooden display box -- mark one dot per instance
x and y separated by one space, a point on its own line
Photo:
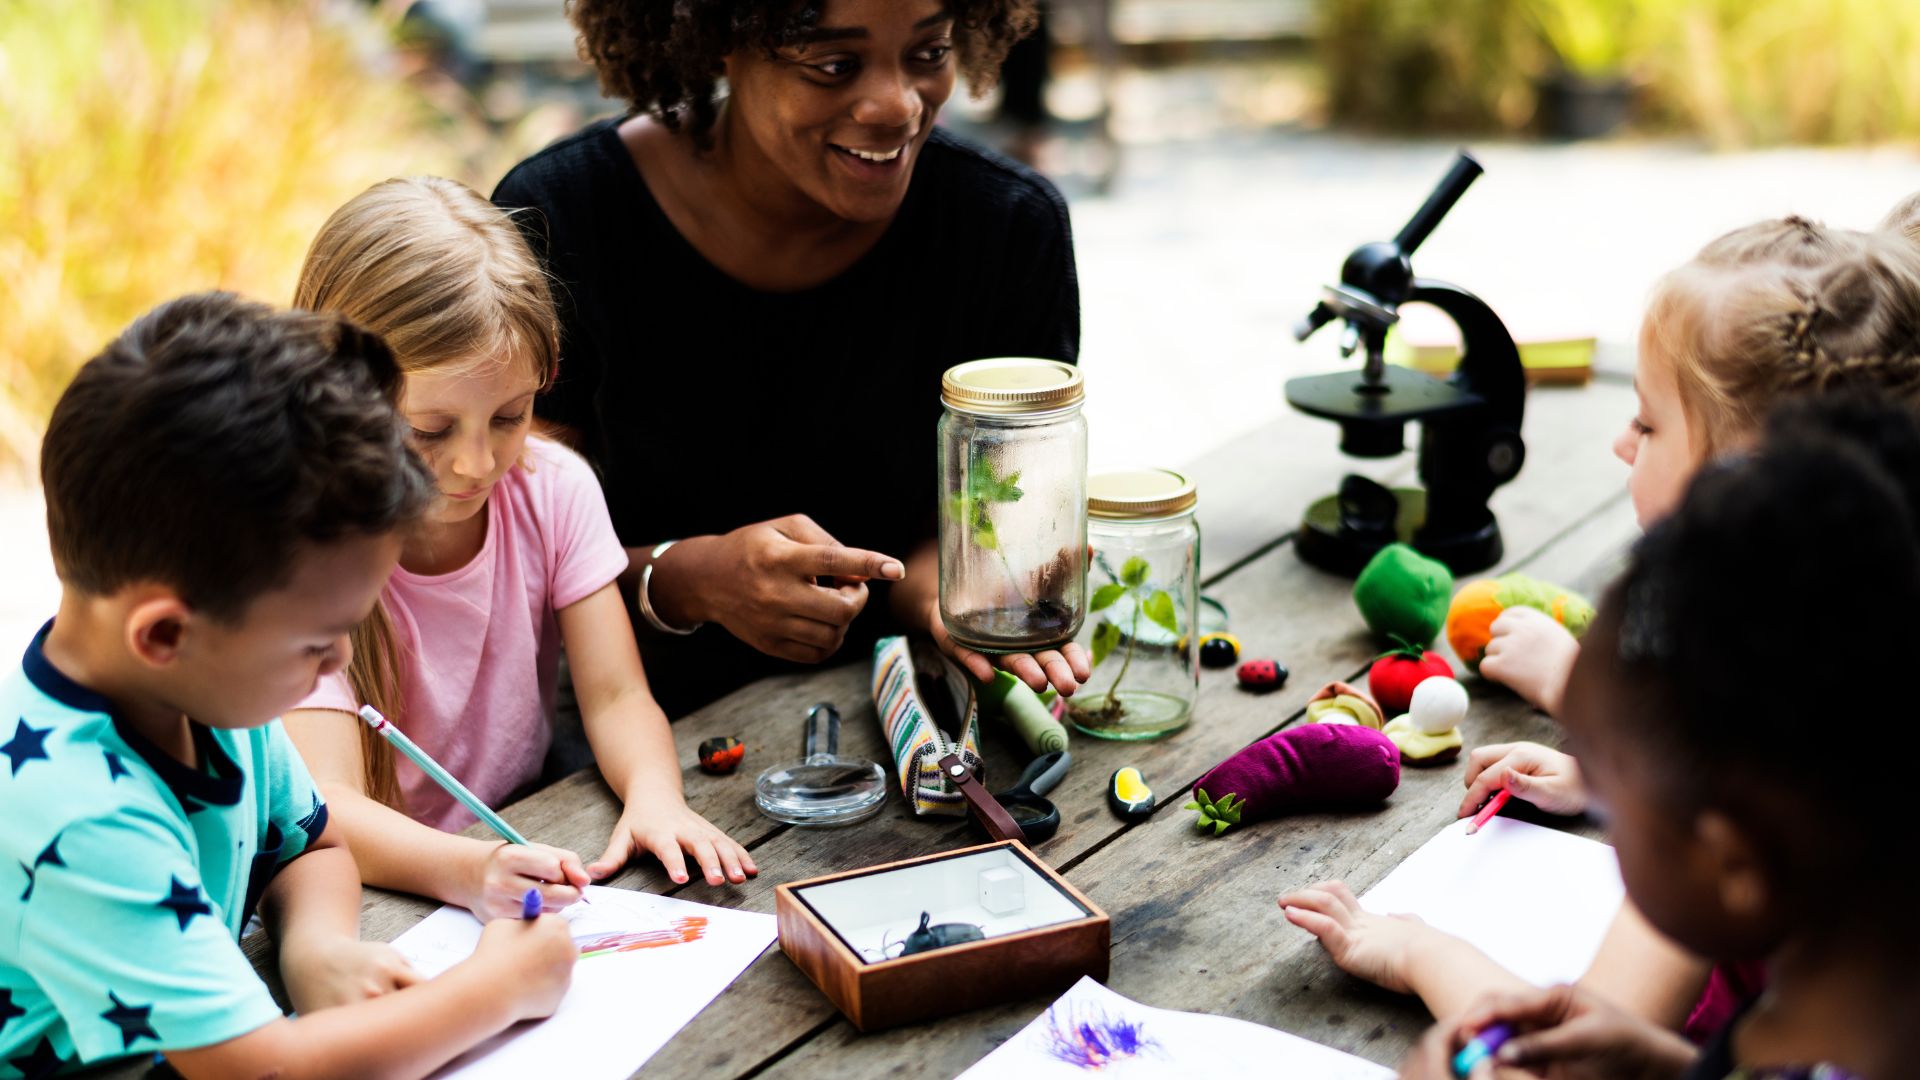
847 932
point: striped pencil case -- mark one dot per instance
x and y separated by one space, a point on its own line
915 737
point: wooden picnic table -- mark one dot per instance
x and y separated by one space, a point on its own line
1195 926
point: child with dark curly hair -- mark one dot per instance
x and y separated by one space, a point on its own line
1696 708
764 267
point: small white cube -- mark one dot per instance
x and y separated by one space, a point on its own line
1002 892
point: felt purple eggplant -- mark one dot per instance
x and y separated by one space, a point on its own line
1308 767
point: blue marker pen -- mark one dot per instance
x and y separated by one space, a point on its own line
1482 1046
530 907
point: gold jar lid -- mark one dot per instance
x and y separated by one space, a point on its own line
1139 494
1011 386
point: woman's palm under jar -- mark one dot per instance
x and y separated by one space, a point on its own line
1013 522
1145 606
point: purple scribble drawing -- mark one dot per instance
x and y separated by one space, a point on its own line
1089 1038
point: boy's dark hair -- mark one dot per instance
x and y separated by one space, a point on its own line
215 436
1761 638
664 58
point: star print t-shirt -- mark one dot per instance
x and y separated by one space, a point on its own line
126 877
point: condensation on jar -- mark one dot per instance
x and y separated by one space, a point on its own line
1013 504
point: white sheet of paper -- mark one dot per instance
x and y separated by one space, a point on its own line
1092 1029
1536 900
648 965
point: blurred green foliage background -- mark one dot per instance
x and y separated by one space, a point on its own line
151 147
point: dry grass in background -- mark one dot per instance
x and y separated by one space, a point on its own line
155 147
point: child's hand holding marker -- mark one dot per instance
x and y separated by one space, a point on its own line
528 956
1563 1033
1540 775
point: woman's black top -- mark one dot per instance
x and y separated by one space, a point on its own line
707 405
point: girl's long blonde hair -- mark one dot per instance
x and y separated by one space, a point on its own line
446 278
1784 308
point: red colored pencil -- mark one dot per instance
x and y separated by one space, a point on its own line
1486 812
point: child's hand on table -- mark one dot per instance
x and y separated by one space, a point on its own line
1565 1033
533 960
1540 775
670 829
511 869
1373 947
1531 654
341 972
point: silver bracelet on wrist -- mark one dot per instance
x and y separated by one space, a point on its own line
646 603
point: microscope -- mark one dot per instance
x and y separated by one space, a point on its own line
1469 423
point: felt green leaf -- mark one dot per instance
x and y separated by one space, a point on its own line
1105 595
1105 637
1219 827
1159 608
1134 571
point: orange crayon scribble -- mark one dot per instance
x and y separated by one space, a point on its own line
684 929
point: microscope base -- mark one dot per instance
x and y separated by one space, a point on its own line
1322 542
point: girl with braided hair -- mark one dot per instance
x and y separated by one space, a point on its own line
764 267
1781 310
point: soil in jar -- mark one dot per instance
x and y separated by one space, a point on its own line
1048 619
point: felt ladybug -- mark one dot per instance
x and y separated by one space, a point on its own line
1262 675
1219 649
1394 675
722 755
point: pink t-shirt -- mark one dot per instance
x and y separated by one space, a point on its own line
480 646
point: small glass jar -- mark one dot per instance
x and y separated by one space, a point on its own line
1013 505
1145 584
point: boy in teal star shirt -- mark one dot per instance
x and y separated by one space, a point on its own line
225 485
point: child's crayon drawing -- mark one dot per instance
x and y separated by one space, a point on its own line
1087 1037
684 929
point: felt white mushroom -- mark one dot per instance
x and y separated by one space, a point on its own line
1429 731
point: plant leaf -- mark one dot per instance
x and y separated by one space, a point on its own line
1134 571
1105 637
1105 595
1159 608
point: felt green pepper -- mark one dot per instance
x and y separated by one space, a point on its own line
1403 594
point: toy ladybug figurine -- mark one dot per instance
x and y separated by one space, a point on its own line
1219 649
1262 675
722 755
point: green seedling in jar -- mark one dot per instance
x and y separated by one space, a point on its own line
1156 604
1046 616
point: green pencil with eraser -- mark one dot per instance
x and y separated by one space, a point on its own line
439 775
446 780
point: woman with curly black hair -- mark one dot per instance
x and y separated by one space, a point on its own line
764 268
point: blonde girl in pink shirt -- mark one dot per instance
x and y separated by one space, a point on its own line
518 556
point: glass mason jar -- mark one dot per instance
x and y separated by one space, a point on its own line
1145 581
1013 504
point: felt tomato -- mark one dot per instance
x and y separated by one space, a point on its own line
1393 676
